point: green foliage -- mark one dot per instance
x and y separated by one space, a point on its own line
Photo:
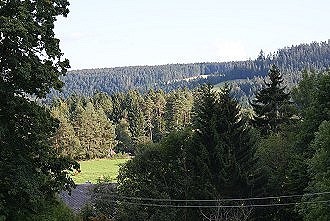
87 212
65 141
104 102
285 170
30 55
271 106
216 158
224 150
158 120
287 155
134 106
312 98
157 172
31 172
319 169
85 131
94 127
102 206
50 211
124 136
95 132
206 163
29 166
247 75
204 110
178 109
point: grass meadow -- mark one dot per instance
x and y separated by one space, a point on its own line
100 169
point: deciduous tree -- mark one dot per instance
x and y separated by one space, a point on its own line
30 65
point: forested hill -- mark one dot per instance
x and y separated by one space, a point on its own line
167 77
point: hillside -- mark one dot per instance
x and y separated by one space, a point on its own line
290 60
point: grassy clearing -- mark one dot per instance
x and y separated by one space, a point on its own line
93 170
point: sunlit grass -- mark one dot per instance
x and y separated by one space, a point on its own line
93 170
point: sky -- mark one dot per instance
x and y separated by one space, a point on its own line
113 33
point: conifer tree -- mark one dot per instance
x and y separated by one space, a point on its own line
159 112
148 113
118 101
106 134
124 137
203 144
235 150
222 158
134 106
178 108
65 141
272 105
319 169
86 130
224 141
96 133
102 100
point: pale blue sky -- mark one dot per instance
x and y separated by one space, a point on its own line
111 33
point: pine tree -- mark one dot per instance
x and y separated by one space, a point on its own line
65 141
203 113
178 108
272 106
96 133
235 150
118 101
222 158
102 100
159 112
134 106
124 137
85 124
225 143
148 113
198 159
106 135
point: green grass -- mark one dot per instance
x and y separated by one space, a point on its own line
93 170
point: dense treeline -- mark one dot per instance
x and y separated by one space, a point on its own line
290 60
283 150
94 127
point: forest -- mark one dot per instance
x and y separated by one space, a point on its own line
247 75
196 145
196 152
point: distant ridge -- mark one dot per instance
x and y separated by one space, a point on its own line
290 60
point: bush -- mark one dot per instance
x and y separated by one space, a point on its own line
103 206
50 211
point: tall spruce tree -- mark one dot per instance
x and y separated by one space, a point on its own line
203 147
235 149
222 158
224 141
272 105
